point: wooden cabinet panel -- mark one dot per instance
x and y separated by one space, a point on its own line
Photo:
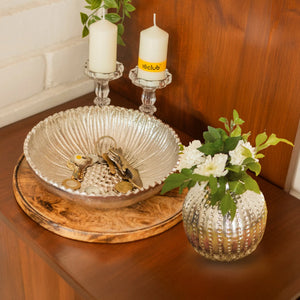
225 55
24 275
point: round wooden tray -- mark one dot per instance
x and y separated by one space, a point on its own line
144 219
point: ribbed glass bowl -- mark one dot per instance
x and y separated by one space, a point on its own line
148 145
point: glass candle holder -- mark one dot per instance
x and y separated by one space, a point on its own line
102 82
149 88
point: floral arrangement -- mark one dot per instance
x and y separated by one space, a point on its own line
122 9
222 163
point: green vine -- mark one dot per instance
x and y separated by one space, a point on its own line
122 9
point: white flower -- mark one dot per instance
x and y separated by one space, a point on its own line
213 166
191 156
238 155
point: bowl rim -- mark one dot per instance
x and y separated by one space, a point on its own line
54 186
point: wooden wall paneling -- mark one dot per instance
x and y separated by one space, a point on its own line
225 55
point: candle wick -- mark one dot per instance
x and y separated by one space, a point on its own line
103 13
154 19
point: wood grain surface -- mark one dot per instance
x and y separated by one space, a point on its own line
225 55
69 219
21 270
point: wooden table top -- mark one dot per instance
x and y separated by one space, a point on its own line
164 266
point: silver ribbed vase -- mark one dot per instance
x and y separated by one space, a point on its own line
217 237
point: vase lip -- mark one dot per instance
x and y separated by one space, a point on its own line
204 185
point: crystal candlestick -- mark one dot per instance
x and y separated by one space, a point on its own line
102 82
149 87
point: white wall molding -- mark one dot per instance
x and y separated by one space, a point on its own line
49 98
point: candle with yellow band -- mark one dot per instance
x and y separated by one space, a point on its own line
153 53
152 66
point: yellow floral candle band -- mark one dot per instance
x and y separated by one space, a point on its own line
152 67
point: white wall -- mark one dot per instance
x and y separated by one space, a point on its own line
42 56
293 178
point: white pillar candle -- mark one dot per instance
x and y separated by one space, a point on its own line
103 46
153 53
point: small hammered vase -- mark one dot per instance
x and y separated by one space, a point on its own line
217 237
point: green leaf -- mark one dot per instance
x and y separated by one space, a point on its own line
121 31
199 178
214 132
272 141
246 152
95 4
191 183
211 135
212 148
183 186
93 20
259 155
227 205
110 4
236 132
231 143
226 124
84 17
260 138
85 31
234 168
235 115
248 160
254 167
251 164
129 7
113 17
127 13
222 182
237 187
186 172
120 40
216 197
233 210
250 183
236 118
213 184
239 122
227 127
223 134
173 181
223 120
234 176
219 194
208 137
245 136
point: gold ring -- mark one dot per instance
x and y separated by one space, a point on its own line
97 150
71 184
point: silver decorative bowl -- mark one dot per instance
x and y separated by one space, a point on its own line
149 145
